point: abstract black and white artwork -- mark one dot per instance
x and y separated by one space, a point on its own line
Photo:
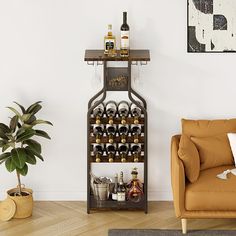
211 25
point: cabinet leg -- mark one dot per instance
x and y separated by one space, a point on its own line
184 225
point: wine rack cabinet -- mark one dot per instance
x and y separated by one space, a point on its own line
117 79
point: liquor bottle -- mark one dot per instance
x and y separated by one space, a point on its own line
124 37
98 151
111 109
123 150
136 112
136 132
110 43
136 151
111 132
114 192
123 132
135 187
121 190
111 152
98 132
123 110
98 113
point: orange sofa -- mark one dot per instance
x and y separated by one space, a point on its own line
204 195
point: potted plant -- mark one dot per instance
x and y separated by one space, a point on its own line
19 150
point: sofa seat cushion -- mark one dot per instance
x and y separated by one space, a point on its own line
211 193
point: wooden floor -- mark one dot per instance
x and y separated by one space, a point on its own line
70 218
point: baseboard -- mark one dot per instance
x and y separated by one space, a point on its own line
82 196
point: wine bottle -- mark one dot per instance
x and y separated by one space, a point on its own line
98 132
136 132
123 150
111 109
136 151
98 151
111 132
123 132
98 112
111 152
136 112
123 110
121 190
114 192
110 43
124 37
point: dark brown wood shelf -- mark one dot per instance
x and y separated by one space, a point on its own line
129 159
135 55
117 120
116 139
110 204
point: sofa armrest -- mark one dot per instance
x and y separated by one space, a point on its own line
177 177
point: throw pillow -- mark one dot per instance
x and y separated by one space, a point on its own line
232 141
188 153
213 151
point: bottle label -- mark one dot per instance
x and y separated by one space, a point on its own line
109 44
124 43
114 196
121 197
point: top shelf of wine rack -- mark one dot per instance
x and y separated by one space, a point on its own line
135 55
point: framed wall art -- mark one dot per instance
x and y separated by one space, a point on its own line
211 26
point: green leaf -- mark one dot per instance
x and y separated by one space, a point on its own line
35 109
26 117
5 147
20 131
2 143
31 119
10 165
30 158
26 135
21 107
5 156
34 145
27 126
13 123
32 107
4 128
37 122
18 157
15 111
23 171
32 152
42 133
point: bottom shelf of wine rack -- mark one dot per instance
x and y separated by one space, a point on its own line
115 205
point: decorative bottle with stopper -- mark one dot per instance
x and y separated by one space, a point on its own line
135 187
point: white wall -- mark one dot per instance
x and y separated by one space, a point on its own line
42 47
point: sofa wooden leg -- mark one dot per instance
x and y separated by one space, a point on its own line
184 225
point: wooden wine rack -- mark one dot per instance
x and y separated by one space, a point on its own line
116 79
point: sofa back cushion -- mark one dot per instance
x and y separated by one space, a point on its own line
214 151
210 138
188 153
206 128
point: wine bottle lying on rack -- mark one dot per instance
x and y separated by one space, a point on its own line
135 151
111 152
111 132
111 110
123 111
123 150
98 112
98 132
123 132
135 132
136 111
98 151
